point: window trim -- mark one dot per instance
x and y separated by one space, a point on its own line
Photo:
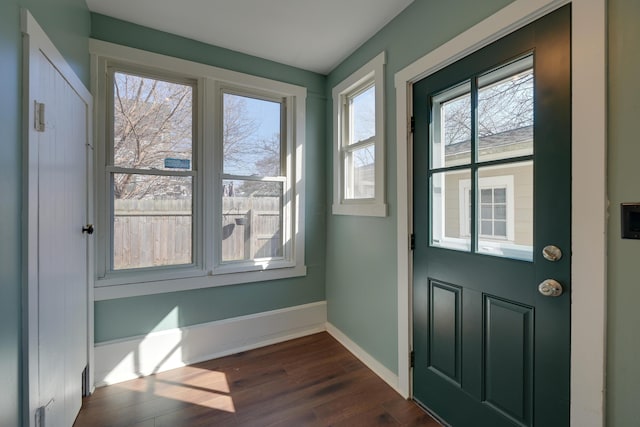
372 73
205 271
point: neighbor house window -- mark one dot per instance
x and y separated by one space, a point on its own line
359 142
199 175
495 208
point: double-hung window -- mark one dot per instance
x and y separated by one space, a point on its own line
198 175
359 142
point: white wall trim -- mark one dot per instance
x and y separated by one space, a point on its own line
126 359
378 368
36 41
588 315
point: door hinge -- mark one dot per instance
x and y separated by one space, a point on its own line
413 241
412 359
412 126
41 412
38 116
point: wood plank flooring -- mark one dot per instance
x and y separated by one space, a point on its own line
311 381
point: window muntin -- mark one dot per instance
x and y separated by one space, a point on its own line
481 143
150 171
359 142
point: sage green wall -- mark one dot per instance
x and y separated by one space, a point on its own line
361 252
126 317
623 358
67 24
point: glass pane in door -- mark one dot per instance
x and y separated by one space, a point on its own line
451 136
505 111
505 210
449 213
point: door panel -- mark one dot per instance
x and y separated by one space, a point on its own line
492 170
445 335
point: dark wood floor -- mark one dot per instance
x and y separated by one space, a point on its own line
310 381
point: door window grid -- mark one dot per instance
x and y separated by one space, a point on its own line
451 114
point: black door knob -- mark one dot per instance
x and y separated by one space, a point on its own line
88 229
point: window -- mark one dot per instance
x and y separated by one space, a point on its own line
359 142
199 175
254 181
149 170
481 163
496 208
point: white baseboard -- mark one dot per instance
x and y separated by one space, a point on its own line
378 368
122 360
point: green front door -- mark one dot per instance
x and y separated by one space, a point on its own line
492 210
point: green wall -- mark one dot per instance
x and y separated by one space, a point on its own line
126 317
361 252
67 24
359 259
623 364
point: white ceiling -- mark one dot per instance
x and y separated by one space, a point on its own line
315 35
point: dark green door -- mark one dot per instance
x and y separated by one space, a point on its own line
492 211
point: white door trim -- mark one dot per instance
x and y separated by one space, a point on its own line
35 42
589 207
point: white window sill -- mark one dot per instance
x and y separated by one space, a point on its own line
106 289
361 209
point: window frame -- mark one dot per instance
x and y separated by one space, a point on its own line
370 74
205 270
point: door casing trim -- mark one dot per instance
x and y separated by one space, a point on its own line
589 198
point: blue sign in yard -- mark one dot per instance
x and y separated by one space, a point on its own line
177 163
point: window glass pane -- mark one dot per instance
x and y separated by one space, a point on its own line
152 123
449 200
486 211
152 220
486 228
505 111
451 136
360 172
252 220
486 195
506 224
251 140
363 115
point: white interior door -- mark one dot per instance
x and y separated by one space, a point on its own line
57 292
62 246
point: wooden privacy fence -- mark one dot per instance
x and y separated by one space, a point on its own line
150 233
